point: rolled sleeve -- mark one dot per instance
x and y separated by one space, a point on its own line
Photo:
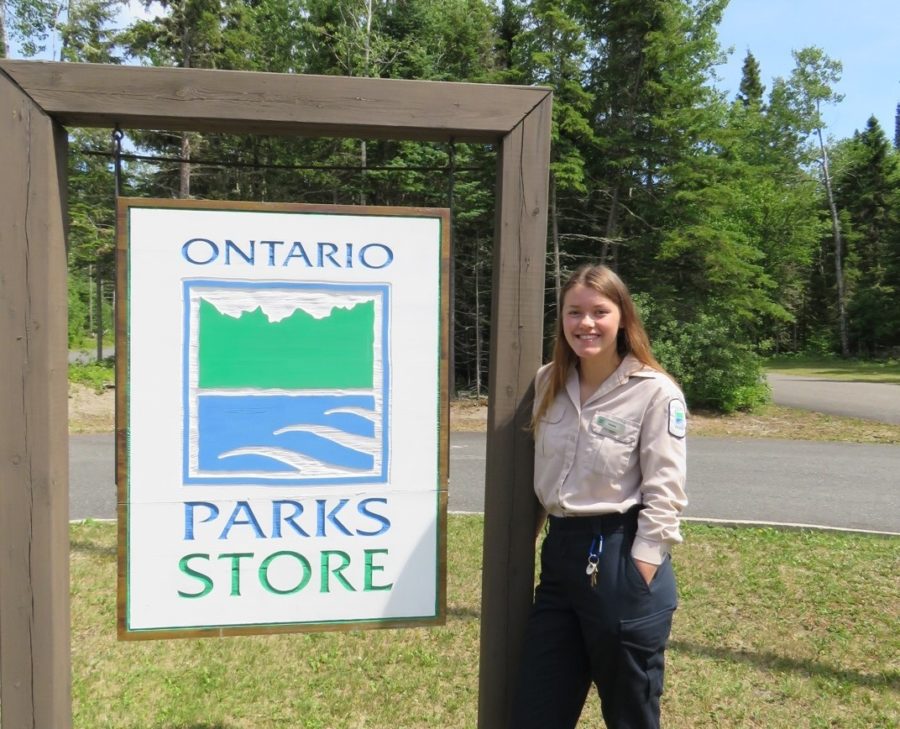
663 459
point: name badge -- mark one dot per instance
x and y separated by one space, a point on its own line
612 427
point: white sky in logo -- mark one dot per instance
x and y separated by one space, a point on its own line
278 304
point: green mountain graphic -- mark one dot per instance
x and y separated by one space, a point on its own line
299 351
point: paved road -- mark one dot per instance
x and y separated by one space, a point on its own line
92 476
870 400
758 480
797 482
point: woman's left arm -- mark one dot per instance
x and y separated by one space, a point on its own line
663 457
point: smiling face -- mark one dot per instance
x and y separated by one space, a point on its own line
590 323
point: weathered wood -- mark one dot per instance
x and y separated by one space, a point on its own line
444 411
35 677
123 347
516 352
270 103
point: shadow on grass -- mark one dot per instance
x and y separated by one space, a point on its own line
774 662
185 725
85 547
464 614
203 725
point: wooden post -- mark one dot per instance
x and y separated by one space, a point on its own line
35 676
516 344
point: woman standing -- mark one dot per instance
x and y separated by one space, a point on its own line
609 428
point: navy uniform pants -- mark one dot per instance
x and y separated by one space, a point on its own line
612 634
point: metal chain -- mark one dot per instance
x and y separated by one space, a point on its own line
117 158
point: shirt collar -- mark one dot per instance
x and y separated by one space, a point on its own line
630 366
635 368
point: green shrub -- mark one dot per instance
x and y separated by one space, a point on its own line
99 375
715 369
78 311
709 357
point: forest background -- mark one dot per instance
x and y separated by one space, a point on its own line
742 228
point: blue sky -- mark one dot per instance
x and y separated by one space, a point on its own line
864 35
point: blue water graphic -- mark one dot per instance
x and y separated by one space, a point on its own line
230 422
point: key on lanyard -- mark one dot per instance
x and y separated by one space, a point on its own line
594 559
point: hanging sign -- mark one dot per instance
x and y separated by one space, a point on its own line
281 417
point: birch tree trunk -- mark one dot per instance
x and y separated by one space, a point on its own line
184 177
612 225
838 247
4 40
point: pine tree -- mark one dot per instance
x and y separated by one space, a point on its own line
867 193
551 50
775 204
751 89
72 30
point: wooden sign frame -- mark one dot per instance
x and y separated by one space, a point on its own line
37 100
430 511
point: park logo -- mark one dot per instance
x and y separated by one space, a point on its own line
285 383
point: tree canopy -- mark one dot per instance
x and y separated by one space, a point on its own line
740 225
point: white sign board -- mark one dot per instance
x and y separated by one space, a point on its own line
282 396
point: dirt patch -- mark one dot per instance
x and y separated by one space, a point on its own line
468 416
91 411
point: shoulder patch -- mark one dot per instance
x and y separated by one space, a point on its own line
677 418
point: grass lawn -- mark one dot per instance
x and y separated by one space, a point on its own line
775 629
776 421
833 368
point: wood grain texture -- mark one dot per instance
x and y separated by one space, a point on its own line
516 353
270 103
35 673
122 355
444 411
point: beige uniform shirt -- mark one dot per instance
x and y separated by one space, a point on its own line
624 446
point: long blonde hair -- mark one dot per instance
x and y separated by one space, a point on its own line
632 338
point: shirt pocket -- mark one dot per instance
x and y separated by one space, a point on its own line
613 440
550 428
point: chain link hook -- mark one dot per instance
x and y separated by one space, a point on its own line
117 136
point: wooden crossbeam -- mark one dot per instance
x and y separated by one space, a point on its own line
270 103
